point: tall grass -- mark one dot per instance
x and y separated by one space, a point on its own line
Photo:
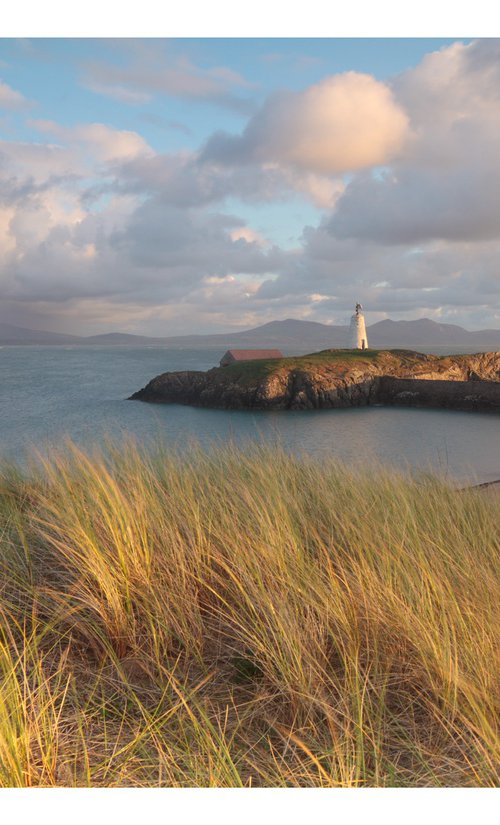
244 618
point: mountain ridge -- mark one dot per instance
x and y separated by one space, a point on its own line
288 334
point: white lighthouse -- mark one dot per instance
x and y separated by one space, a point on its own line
357 330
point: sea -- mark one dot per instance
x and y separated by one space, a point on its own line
48 394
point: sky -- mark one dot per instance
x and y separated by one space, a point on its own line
167 187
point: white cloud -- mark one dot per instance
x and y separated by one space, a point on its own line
118 92
248 235
446 182
104 142
348 121
10 99
95 224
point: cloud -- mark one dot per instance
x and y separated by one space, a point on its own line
152 256
416 206
95 224
440 281
157 73
10 99
248 235
348 121
184 179
445 183
118 92
104 142
29 167
162 123
55 247
186 246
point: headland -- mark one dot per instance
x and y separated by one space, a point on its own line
337 378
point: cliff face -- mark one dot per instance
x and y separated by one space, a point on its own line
337 378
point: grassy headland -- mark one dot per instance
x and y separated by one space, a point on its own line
244 618
258 369
336 378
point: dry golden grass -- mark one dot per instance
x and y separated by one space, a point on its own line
244 618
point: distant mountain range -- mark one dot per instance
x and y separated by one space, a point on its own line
290 336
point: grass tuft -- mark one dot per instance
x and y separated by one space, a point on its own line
244 618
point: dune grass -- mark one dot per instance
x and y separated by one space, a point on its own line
244 618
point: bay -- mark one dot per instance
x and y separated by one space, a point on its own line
48 393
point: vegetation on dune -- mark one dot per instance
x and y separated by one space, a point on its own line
244 618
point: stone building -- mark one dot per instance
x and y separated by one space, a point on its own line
234 355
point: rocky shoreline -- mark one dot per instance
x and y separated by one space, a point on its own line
338 379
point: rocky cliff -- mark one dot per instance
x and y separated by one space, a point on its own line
338 378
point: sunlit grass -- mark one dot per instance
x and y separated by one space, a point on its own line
260 368
244 618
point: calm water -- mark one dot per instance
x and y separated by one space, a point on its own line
49 392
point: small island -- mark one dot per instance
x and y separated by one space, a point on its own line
336 378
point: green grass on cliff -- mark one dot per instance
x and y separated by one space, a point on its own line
260 368
244 619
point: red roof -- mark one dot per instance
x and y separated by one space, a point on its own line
252 354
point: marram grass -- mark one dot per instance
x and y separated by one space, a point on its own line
244 618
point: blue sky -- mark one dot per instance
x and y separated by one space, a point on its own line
218 183
51 73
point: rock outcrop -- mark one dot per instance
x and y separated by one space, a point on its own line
338 378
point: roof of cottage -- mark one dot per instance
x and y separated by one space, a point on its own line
253 354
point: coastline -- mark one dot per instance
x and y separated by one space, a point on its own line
337 379
488 487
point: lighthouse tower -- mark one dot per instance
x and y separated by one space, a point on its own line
357 330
